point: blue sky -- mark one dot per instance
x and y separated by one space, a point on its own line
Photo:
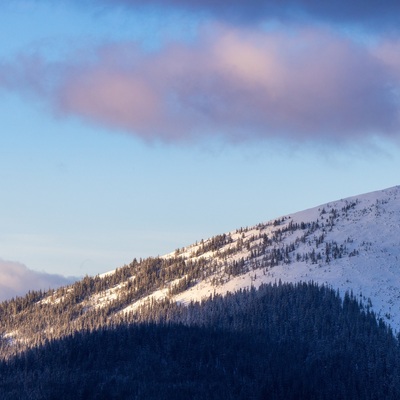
129 130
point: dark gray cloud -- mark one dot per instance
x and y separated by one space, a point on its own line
16 280
380 14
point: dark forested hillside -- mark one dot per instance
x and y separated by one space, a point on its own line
282 341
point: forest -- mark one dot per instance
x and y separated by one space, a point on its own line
282 341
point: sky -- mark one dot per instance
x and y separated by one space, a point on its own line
131 128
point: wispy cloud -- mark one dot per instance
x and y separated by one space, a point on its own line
16 280
239 83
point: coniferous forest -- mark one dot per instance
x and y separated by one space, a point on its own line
282 341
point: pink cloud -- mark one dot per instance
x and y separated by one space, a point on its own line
241 84
388 53
115 97
16 280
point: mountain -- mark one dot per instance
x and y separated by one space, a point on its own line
351 245
303 306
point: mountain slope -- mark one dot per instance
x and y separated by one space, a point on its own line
350 245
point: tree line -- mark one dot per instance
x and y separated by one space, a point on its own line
282 341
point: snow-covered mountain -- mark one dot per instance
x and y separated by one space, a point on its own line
352 245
